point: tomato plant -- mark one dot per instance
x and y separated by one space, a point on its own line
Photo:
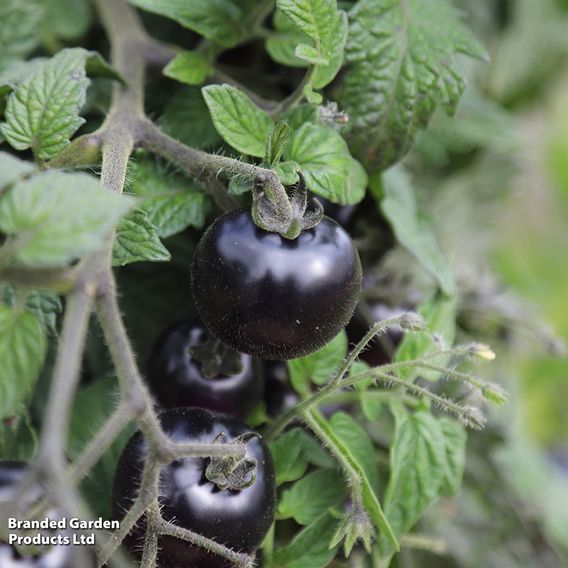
248 271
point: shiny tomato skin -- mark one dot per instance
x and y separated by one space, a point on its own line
273 297
176 378
236 519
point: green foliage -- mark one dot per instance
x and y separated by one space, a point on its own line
312 496
35 118
190 67
293 452
218 20
186 117
137 240
318 366
18 32
310 547
66 19
44 305
171 202
326 27
325 161
339 91
412 230
237 119
425 463
18 439
22 351
55 217
401 66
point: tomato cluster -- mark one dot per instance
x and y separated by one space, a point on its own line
259 295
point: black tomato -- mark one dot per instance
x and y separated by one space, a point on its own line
177 378
273 297
381 350
236 518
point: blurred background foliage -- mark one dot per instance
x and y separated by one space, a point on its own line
495 179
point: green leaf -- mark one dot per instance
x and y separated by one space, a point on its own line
66 19
237 119
351 453
412 230
326 26
57 217
12 169
356 439
218 20
417 470
293 451
310 547
282 44
300 114
18 439
289 461
22 352
327 165
310 54
18 31
455 438
91 407
276 143
37 119
312 496
190 67
401 65
287 172
44 305
186 118
171 202
320 366
137 240
440 315
14 74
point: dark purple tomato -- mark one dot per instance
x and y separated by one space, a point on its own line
273 297
177 378
238 519
381 350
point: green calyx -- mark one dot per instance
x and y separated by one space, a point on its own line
232 473
287 215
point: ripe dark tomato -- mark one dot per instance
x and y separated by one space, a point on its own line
381 349
236 518
177 378
273 297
